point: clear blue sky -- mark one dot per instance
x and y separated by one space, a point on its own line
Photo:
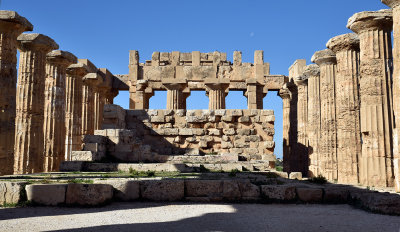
105 31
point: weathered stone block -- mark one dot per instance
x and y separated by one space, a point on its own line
10 192
243 131
244 119
95 138
226 145
216 132
88 194
309 195
46 194
296 176
204 188
124 190
231 190
87 156
236 112
163 190
269 144
279 192
230 131
186 131
227 118
336 195
71 166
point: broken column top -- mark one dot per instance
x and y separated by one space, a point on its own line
368 20
14 17
36 41
91 67
58 56
311 70
78 69
349 41
326 56
391 3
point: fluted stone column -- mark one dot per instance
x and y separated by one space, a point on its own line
54 108
374 30
312 73
142 98
302 107
30 102
326 60
73 108
89 103
216 92
176 98
285 94
347 49
395 5
11 26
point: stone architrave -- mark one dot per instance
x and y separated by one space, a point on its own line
30 102
347 49
216 91
11 26
176 98
90 83
312 73
73 108
54 108
374 29
326 60
395 5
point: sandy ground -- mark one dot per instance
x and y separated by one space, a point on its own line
196 217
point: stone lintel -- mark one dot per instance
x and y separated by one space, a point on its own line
172 83
78 69
391 3
326 56
311 70
369 20
35 41
339 43
91 67
14 17
251 81
216 81
63 57
141 85
108 78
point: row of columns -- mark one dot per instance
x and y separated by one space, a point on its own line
347 98
44 114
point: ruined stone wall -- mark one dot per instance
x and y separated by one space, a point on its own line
145 135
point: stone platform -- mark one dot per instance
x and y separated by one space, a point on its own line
96 188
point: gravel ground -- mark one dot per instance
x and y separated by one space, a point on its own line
196 217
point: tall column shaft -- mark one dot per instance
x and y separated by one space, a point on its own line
374 30
11 26
88 109
302 140
54 108
73 108
30 102
395 5
326 60
255 95
314 117
347 49
284 93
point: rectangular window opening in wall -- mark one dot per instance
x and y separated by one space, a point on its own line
159 100
197 100
273 102
236 100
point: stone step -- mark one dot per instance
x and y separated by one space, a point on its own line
74 166
224 189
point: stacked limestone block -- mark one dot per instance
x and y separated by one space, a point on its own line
153 135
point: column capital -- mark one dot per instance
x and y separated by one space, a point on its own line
12 21
391 3
37 42
78 69
311 70
370 20
326 56
285 92
93 79
344 42
61 57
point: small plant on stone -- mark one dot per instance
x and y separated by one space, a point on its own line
279 168
80 181
150 173
133 172
318 180
233 172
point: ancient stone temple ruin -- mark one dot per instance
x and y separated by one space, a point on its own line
340 114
